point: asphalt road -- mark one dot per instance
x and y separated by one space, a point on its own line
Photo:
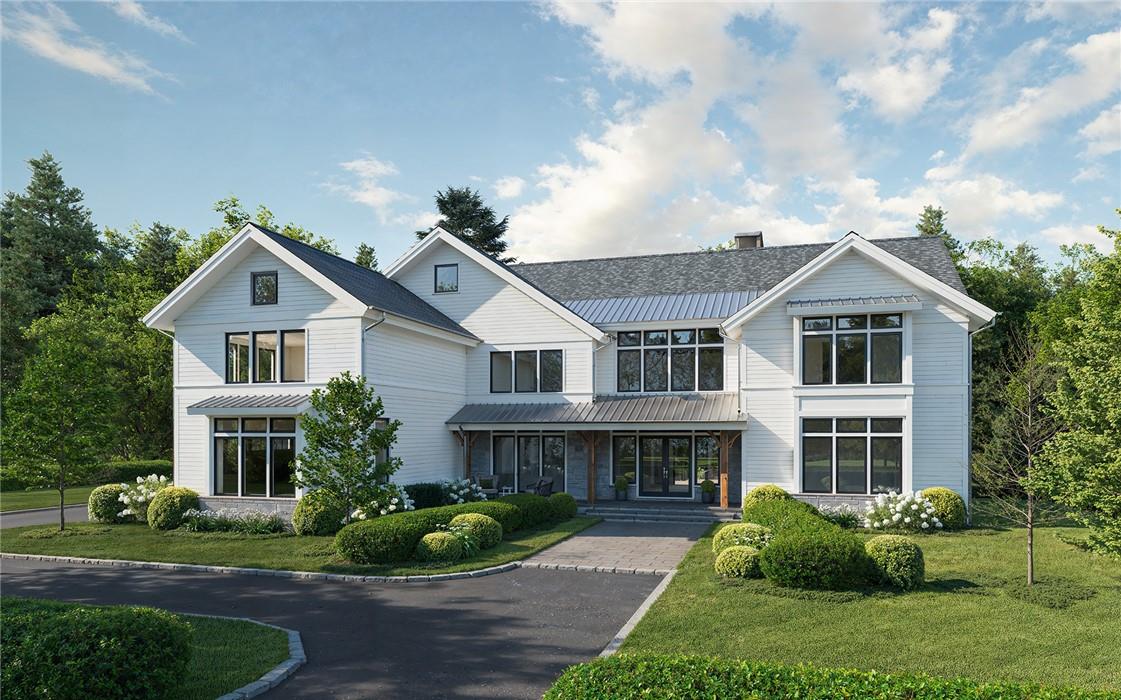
502 636
74 514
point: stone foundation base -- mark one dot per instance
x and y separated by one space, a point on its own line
830 501
283 506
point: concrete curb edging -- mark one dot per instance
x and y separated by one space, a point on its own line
279 673
628 627
318 576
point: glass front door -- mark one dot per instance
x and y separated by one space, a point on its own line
666 467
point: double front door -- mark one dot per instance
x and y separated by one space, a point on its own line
665 467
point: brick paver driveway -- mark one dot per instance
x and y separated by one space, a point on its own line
624 546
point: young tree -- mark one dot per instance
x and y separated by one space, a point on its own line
1002 471
1081 466
466 214
346 443
59 422
367 257
932 224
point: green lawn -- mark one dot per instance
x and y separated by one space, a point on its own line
971 618
42 498
227 654
139 542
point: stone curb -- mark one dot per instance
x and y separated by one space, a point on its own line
343 578
625 630
279 673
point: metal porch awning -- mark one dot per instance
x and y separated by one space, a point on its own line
882 303
718 411
252 404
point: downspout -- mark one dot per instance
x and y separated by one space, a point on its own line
969 413
362 344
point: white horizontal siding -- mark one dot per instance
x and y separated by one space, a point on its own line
769 439
577 373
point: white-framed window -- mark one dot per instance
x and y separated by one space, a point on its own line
852 349
259 356
446 278
688 359
519 460
526 371
852 455
255 457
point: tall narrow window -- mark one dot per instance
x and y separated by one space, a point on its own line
817 356
225 465
624 458
529 460
852 358
283 458
552 370
654 370
293 358
525 370
505 463
887 358
501 372
817 464
707 459
447 279
630 370
254 466
265 359
710 369
683 369
263 288
237 358
552 460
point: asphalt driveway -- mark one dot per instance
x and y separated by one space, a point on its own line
502 636
48 516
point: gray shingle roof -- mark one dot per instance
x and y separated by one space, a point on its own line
371 288
662 307
713 271
660 408
253 401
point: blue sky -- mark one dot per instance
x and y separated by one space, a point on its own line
601 130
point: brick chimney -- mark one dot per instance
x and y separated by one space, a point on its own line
749 239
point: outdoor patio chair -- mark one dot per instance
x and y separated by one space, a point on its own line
488 485
543 487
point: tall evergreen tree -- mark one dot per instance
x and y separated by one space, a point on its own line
932 224
367 257
466 214
157 250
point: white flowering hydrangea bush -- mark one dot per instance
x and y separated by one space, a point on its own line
390 499
843 515
466 537
136 497
462 491
223 520
901 511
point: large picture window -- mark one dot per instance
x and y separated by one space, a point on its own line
254 457
859 349
527 371
680 360
519 461
260 357
852 455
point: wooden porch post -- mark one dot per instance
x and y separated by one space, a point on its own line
590 438
467 443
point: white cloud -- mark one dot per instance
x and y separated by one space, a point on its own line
509 187
938 155
134 12
898 90
1103 135
365 186
1096 78
1088 174
1068 234
1065 11
48 31
590 97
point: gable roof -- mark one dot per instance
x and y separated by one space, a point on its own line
714 271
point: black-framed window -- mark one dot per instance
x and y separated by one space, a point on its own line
852 455
527 371
519 460
446 278
706 458
852 349
259 358
690 359
254 457
293 356
263 288
237 358
624 458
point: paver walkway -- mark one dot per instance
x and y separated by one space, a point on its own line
625 546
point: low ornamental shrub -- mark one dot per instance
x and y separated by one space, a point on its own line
440 546
61 650
765 492
563 506
485 529
898 561
390 499
535 509
646 677
738 562
949 507
782 515
105 504
250 522
394 538
318 513
168 507
135 496
902 511
426 494
741 535
826 557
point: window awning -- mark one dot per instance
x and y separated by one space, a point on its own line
715 411
254 404
879 304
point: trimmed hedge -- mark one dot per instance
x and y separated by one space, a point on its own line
394 538
484 528
166 510
741 535
783 515
318 513
105 504
898 561
646 677
948 506
563 506
439 546
429 494
117 472
765 492
535 509
825 557
739 562
61 650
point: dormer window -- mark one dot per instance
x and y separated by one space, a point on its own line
263 288
447 279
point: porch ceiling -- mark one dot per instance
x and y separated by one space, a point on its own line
605 411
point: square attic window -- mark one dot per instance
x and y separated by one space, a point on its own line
263 288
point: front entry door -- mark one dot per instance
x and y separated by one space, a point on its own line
666 467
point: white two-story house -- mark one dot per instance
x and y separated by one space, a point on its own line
835 370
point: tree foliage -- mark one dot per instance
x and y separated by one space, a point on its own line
932 224
367 257
466 214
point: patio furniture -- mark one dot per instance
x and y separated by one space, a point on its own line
543 487
487 484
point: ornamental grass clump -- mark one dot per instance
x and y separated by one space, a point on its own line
738 562
136 497
741 535
902 511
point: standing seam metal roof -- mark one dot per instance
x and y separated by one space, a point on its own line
663 408
662 307
854 301
253 401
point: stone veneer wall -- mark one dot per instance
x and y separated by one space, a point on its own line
858 502
284 506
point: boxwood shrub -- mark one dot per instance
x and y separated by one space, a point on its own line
60 650
741 534
535 509
426 494
105 504
318 513
765 492
898 561
782 515
825 557
166 510
563 506
484 528
394 538
948 506
646 677
739 562
439 546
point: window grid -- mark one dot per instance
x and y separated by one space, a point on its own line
543 460
236 366
504 365
829 327
241 429
871 431
643 344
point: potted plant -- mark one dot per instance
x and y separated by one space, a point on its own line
708 491
621 488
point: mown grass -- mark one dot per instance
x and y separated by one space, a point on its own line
139 542
227 654
42 498
973 618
